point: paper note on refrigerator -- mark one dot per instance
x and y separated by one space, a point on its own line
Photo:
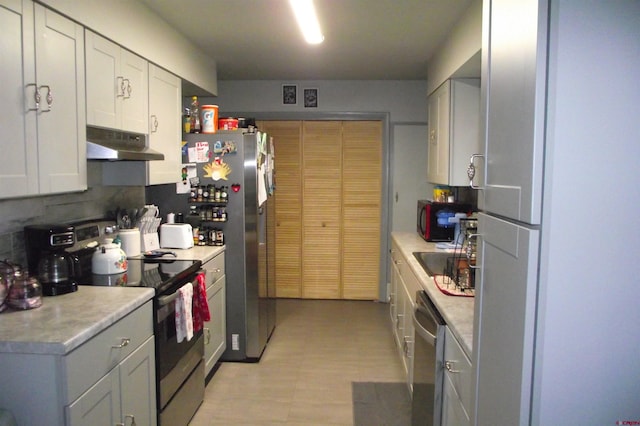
199 153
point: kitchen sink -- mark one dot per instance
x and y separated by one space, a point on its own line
433 263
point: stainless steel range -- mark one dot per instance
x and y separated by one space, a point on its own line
179 366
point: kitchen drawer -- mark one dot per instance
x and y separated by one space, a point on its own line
458 369
214 269
88 363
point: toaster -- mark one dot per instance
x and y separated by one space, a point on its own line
176 235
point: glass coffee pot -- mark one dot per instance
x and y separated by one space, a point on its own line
56 271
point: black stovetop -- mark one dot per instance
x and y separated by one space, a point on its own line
160 274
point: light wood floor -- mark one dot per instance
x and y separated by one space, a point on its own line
304 377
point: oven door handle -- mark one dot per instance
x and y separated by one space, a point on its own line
165 300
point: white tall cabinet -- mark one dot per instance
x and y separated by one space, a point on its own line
43 109
556 332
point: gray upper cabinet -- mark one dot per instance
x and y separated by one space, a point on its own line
514 81
117 86
43 115
165 132
454 130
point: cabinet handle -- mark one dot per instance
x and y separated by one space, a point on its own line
154 119
217 270
127 83
207 333
132 417
397 262
36 97
49 97
124 342
471 171
449 366
120 86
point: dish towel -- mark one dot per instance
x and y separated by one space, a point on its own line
200 304
184 318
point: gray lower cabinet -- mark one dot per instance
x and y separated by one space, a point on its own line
404 285
108 380
215 330
125 395
456 403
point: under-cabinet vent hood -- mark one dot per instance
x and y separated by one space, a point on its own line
114 145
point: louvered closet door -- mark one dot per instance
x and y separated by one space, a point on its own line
321 195
361 207
287 140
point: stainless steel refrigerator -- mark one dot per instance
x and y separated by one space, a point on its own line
239 165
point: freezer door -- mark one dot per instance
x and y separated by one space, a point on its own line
505 308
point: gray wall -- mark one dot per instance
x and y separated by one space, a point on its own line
404 101
393 102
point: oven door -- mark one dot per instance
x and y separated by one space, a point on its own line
169 353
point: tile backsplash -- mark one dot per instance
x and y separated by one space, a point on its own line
93 203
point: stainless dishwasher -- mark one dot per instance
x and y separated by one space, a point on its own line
428 374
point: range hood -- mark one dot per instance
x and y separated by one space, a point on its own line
115 145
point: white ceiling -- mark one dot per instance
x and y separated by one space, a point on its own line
364 39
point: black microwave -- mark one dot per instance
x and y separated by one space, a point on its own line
432 224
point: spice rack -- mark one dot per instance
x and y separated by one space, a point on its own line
208 207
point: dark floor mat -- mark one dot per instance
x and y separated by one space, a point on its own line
381 404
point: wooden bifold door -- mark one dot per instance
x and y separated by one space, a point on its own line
327 208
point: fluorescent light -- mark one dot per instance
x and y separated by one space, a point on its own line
307 20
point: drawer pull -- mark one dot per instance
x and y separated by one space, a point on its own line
124 342
449 366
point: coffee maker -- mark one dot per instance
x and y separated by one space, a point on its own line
48 259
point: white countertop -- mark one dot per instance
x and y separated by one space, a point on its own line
456 311
65 322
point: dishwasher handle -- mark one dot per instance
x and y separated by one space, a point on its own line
420 330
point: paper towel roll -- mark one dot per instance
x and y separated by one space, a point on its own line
130 241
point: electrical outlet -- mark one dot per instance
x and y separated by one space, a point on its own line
235 343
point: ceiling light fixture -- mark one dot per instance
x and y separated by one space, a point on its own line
307 19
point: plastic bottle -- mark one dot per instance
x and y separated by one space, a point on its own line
195 115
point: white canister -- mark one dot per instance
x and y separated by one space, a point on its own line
209 118
130 241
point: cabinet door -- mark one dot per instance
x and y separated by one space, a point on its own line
438 151
322 180
165 133
397 300
104 91
135 99
514 80
100 405
505 321
138 385
453 412
62 159
215 330
361 209
19 171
